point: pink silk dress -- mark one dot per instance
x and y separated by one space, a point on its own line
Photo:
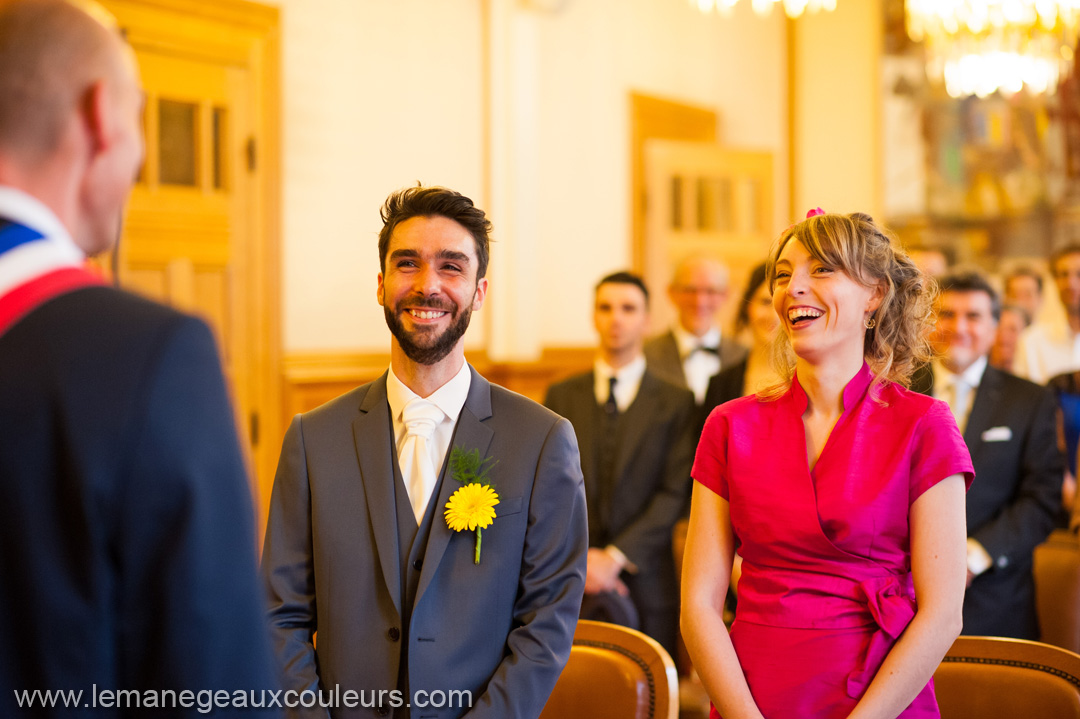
826 585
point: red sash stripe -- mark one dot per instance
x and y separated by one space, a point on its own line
23 299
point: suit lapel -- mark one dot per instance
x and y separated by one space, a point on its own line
471 433
987 397
374 444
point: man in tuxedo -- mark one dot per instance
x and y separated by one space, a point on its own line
127 556
694 349
1009 426
413 617
636 450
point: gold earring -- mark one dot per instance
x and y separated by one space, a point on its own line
870 323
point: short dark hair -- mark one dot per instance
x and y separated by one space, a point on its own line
624 278
971 282
1025 271
1072 248
422 201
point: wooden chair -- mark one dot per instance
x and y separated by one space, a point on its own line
1057 589
615 673
1008 679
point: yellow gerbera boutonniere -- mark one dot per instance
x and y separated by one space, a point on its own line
472 506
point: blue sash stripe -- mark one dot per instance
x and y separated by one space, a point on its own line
12 235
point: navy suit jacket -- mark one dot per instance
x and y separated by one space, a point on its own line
500 629
127 553
1014 501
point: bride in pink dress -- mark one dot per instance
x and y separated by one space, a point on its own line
843 491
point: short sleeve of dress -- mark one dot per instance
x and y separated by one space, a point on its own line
710 463
939 451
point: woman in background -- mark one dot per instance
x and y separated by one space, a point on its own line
755 371
846 493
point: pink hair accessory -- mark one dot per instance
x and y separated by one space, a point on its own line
815 212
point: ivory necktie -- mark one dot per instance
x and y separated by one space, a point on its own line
420 417
959 394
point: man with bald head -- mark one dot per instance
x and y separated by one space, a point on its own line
127 551
694 349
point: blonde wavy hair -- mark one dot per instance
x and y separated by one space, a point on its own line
899 341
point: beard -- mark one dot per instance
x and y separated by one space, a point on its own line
424 346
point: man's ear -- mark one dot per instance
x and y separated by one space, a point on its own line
96 112
480 294
379 291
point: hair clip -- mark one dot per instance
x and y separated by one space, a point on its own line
815 212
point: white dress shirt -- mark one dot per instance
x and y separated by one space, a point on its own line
946 383
450 398
698 367
1046 349
627 381
36 258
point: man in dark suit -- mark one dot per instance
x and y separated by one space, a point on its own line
636 450
127 556
694 349
1009 426
408 611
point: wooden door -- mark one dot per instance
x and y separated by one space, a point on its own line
705 199
200 232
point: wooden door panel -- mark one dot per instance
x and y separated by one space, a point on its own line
200 232
705 199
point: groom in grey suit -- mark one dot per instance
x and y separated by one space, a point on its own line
413 618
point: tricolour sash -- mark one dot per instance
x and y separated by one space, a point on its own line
43 283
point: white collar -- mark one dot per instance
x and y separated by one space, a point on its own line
25 209
628 374
688 341
450 398
971 377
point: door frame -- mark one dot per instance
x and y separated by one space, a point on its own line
248 34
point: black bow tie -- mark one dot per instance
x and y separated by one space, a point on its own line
704 348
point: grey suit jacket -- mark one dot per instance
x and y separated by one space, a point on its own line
651 476
1012 504
662 355
501 629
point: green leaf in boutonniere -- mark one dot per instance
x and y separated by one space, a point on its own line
467 467
472 506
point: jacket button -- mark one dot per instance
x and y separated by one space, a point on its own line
394 634
417 563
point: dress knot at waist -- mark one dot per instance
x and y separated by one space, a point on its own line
891 601
801 599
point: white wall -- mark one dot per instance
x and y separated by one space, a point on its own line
838 154
381 93
378 94
595 53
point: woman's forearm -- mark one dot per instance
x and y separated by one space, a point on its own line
909 665
714 657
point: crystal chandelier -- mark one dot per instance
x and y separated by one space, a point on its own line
793 8
978 47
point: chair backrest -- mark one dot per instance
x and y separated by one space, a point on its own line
1008 678
1057 589
615 673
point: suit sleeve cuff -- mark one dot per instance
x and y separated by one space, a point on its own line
623 561
978 559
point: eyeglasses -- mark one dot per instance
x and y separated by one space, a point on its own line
691 290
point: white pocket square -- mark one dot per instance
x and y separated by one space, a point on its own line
997 434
